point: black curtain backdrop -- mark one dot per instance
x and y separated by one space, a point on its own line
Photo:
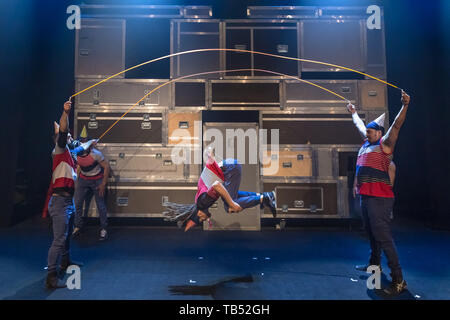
16 61
38 76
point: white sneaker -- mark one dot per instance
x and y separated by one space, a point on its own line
76 232
103 234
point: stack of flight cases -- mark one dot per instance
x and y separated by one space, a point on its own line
139 147
317 140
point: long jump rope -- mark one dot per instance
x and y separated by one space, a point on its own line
224 71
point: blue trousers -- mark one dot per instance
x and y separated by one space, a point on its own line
376 216
82 189
61 211
232 171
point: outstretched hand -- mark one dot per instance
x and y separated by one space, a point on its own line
201 216
405 98
67 106
101 190
210 152
351 108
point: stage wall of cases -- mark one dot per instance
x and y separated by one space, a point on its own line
318 142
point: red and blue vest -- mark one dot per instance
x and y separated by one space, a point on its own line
64 175
372 171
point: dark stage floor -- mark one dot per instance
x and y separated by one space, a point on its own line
165 263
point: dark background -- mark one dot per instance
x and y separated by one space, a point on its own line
37 76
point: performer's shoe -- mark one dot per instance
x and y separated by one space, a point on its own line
396 287
76 232
103 235
364 267
53 282
269 201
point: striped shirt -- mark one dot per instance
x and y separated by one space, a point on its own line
89 165
372 171
64 175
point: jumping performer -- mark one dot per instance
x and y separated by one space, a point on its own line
217 180
375 188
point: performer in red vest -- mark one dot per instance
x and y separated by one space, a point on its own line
374 186
60 206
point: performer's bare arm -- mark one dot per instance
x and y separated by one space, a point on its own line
62 130
392 169
391 136
64 121
355 182
102 186
357 120
220 189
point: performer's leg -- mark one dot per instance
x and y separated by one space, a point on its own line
248 199
379 210
247 194
232 172
101 205
57 211
81 191
375 250
70 215
87 203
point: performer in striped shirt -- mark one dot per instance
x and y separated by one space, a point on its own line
92 178
218 180
60 205
375 188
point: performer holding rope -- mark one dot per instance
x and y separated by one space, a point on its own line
217 180
92 178
60 205
375 188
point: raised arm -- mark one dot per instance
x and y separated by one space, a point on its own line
357 120
64 121
391 136
64 125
